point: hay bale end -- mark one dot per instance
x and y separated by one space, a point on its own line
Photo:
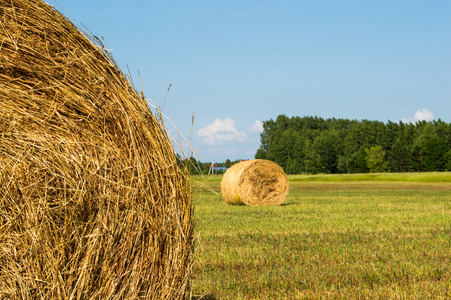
93 204
255 182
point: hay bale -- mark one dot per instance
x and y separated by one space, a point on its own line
93 204
255 182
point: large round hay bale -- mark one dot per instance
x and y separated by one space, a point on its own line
255 182
93 204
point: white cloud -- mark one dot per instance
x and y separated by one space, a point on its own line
421 115
221 131
257 127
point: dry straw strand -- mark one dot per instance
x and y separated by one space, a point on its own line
255 182
93 204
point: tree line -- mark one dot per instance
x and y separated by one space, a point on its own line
196 167
316 145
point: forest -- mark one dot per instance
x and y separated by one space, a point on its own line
315 145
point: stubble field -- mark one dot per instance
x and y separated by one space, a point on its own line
335 237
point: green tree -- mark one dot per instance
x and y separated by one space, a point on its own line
298 154
310 158
357 163
268 129
227 163
325 147
342 165
433 149
448 161
281 147
260 154
414 161
293 166
375 159
398 156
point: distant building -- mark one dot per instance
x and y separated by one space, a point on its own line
218 170
214 169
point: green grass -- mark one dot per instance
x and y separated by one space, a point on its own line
334 239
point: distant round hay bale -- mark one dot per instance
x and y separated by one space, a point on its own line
255 182
93 204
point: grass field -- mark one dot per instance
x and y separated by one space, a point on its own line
335 237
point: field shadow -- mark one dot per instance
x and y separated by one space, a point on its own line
204 297
286 204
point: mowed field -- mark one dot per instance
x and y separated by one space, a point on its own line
385 236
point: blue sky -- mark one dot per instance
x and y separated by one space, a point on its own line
234 64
